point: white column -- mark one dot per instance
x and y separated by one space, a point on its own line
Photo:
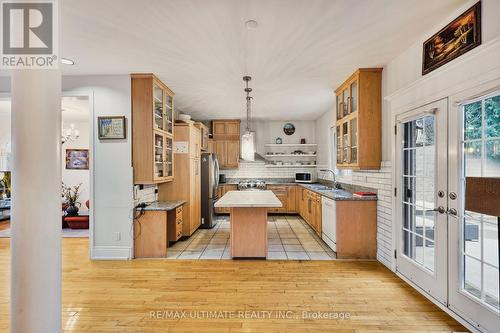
36 202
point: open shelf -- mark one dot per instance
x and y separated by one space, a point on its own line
291 144
290 155
290 166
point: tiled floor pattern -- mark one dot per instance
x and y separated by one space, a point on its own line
289 238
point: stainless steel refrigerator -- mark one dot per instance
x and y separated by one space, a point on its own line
209 185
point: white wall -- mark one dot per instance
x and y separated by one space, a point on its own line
268 131
113 177
72 177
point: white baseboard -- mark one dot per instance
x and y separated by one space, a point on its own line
111 253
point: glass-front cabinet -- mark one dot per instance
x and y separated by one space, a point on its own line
358 120
152 141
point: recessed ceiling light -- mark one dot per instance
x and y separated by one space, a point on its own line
67 61
251 24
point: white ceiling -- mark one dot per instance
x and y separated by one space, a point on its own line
301 50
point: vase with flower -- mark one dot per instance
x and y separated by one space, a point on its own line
70 195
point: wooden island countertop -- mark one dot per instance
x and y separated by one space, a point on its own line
248 220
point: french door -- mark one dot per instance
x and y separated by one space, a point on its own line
422 152
448 203
475 163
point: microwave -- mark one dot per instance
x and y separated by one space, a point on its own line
305 177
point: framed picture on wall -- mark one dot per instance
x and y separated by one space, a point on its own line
458 37
112 128
77 159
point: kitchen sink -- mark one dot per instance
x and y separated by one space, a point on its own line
320 187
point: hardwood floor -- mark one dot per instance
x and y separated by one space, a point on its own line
119 296
4 225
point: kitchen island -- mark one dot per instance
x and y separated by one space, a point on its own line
248 221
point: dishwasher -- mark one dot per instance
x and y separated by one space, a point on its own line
329 225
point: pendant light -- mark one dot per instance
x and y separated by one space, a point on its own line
248 139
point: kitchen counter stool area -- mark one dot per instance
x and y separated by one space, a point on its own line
289 238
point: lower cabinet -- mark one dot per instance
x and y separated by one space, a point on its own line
154 230
309 208
223 189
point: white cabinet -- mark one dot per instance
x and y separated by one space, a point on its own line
329 228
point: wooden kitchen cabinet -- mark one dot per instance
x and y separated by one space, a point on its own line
226 142
309 208
287 195
152 130
359 120
223 189
187 177
211 146
226 129
150 235
356 229
203 135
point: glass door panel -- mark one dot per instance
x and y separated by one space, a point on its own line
169 158
353 128
354 96
159 156
345 142
169 114
345 103
339 107
479 231
158 110
418 191
338 143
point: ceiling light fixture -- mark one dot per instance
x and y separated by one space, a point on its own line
247 139
251 24
66 61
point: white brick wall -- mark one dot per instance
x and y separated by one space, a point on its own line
381 180
259 170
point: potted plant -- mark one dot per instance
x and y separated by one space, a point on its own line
70 196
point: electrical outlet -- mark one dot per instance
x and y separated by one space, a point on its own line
117 236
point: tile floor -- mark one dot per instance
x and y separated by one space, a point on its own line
290 238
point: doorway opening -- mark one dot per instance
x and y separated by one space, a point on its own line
76 166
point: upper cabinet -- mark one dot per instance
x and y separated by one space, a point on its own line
359 120
226 142
204 135
152 130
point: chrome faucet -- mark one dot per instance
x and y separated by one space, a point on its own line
335 184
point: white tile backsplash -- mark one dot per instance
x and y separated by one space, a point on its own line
259 170
146 194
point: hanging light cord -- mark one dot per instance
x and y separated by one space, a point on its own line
249 102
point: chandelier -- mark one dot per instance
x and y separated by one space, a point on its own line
70 134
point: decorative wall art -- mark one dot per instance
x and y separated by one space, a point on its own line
77 159
289 129
112 128
460 36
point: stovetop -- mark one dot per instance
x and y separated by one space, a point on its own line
252 185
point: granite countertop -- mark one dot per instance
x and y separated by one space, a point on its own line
242 199
164 205
337 194
332 194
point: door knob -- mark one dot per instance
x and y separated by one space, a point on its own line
440 210
453 195
452 211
